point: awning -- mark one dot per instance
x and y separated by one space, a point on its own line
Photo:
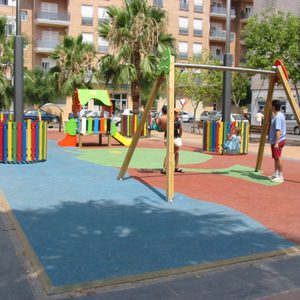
85 96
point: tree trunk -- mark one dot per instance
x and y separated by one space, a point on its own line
135 94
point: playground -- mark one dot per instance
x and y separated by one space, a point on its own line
104 215
82 228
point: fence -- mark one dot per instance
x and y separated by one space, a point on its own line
214 134
129 124
6 117
23 142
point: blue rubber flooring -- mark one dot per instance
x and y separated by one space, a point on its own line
84 225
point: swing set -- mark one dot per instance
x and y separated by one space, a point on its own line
167 69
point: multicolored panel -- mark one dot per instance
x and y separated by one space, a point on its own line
23 141
215 134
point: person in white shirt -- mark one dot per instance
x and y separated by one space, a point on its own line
259 118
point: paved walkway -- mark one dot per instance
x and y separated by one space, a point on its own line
50 213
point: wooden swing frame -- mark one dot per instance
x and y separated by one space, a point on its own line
278 73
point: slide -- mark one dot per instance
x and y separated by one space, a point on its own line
121 139
70 139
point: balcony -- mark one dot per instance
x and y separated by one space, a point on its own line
183 55
198 8
53 18
46 46
183 31
221 12
220 35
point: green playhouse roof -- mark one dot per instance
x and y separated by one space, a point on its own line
85 96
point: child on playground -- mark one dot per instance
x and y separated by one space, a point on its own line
232 144
160 123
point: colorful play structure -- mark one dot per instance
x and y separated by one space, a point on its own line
22 142
215 132
76 128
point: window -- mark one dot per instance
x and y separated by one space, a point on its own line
86 15
198 27
49 7
184 4
102 45
158 3
24 15
183 50
198 5
47 64
102 14
183 26
8 2
50 39
119 102
10 28
87 38
197 49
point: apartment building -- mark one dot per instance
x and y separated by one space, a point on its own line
260 84
197 25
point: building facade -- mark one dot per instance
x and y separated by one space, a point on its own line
260 84
197 25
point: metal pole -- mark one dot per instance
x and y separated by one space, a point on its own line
226 99
224 68
18 68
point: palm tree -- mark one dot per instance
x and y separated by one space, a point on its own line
138 38
37 89
74 65
6 66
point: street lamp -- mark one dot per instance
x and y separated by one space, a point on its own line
18 68
226 98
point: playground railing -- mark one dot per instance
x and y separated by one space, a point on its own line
129 124
215 133
93 126
23 142
6 117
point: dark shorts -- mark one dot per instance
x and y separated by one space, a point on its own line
276 152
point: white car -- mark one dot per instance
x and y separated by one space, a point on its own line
292 124
84 113
97 114
187 116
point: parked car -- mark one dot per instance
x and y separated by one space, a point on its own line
292 125
214 115
187 116
34 116
98 114
204 116
84 113
233 117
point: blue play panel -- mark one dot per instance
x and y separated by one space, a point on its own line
84 225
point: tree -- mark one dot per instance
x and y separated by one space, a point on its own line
137 35
272 36
240 88
38 88
74 65
6 66
199 85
